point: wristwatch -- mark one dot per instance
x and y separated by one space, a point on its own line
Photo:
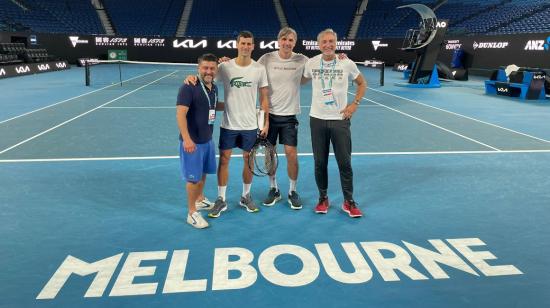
356 101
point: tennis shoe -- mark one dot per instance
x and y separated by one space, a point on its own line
219 207
322 206
204 204
294 201
197 221
249 204
273 197
350 207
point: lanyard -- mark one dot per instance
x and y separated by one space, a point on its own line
331 75
208 96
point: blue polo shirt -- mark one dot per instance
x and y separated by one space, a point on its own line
193 97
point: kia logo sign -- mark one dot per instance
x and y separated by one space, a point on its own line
2 72
232 44
22 69
538 77
61 65
269 45
502 90
189 43
43 67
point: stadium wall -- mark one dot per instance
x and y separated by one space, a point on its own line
489 52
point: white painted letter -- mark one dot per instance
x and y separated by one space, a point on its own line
477 258
104 269
222 266
310 269
387 266
175 282
124 285
445 255
362 272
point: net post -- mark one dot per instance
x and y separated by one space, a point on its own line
120 73
87 73
382 66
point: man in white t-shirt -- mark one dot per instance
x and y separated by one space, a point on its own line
242 79
284 72
330 117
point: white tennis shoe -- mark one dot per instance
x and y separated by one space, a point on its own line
197 221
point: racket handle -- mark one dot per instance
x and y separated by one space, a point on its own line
261 120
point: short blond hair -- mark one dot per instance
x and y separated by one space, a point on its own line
286 31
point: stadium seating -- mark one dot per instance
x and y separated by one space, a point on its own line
145 17
309 17
54 16
215 19
500 15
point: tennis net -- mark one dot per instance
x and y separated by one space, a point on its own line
121 72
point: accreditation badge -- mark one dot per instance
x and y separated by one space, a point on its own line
327 97
211 116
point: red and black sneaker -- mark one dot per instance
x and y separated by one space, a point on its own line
351 208
322 206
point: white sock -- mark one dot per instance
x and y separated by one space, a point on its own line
292 186
221 192
273 182
246 189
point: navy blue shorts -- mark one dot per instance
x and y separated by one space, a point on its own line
201 161
285 128
243 139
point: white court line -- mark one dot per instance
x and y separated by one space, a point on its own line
69 99
141 107
173 107
432 124
81 115
30 160
464 116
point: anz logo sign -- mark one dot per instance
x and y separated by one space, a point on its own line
538 45
189 43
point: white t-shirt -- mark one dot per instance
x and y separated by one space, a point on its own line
241 86
330 75
284 77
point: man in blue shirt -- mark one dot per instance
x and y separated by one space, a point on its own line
196 113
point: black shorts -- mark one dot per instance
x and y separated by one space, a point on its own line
283 127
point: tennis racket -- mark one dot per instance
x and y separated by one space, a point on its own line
263 156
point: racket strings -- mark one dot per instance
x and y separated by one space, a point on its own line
263 158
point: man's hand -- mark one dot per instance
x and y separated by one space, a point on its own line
223 59
349 110
189 146
190 79
263 132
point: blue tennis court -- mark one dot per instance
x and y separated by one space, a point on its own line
453 184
